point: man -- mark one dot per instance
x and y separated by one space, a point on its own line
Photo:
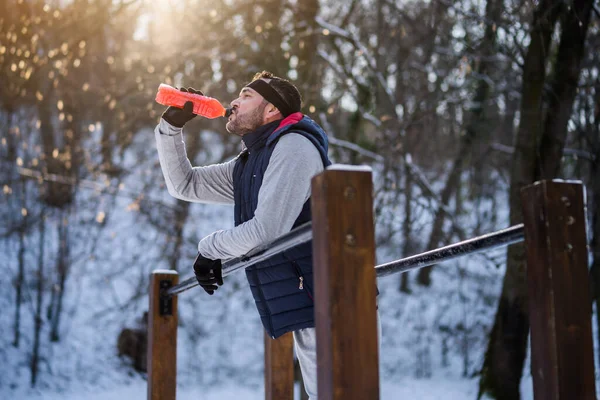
269 184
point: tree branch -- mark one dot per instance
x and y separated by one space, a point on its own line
586 155
371 63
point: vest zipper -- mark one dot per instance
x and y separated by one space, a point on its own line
301 279
299 272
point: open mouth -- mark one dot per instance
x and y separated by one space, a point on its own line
231 114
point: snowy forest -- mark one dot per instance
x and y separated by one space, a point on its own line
454 104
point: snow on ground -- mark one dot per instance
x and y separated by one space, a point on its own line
413 389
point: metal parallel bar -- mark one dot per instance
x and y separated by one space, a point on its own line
504 237
303 234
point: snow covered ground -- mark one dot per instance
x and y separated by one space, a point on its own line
414 389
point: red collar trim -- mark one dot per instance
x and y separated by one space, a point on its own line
289 120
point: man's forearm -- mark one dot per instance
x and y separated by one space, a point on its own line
210 184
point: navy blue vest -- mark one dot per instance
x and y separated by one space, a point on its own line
282 285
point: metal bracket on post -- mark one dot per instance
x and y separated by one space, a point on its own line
166 302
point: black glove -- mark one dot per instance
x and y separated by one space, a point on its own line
209 273
178 117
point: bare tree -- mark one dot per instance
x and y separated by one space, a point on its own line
543 124
35 353
475 129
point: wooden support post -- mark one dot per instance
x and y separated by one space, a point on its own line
562 363
162 337
279 367
345 287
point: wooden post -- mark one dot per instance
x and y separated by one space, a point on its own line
162 337
279 367
345 287
562 363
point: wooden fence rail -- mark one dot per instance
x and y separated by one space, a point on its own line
345 293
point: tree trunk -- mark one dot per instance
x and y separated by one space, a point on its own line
310 66
475 128
56 194
407 247
11 142
595 240
20 274
594 136
574 24
271 36
507 126
380 61
35 354
62 267
505 355
538 153
181 214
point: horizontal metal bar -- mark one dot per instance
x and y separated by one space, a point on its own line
301 234
504 237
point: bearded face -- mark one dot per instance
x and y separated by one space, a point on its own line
242 121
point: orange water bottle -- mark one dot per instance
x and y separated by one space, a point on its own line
203 105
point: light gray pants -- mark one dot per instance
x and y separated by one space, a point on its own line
305 344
